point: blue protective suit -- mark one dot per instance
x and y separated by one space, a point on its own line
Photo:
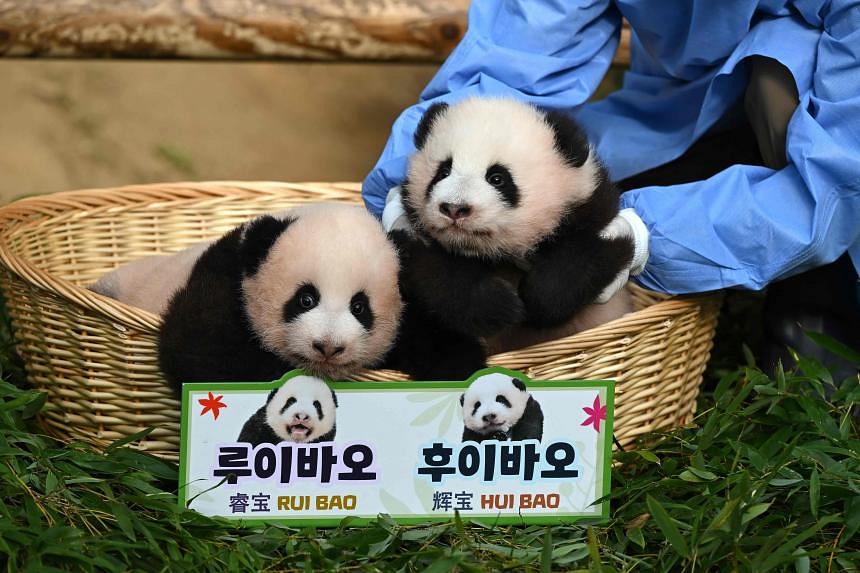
745 226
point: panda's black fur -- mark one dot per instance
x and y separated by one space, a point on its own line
206 335
557 277
428 346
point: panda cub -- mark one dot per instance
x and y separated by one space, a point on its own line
513 212
303 410
282 292
498 407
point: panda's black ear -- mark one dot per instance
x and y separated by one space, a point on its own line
519 384
426 123
257 240
271 395
570 140
333 397
462 398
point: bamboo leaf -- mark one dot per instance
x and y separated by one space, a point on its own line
429 414
834 346
667 526
546 552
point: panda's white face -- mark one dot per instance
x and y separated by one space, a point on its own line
489 182
302 410
326 297
494 403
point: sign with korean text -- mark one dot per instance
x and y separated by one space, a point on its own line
498 448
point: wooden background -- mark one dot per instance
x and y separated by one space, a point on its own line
370 30
259 29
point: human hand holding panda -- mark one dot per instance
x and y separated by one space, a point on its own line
504 183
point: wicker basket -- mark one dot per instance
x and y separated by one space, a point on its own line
97 358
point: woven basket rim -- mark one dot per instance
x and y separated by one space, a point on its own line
176 192
119 197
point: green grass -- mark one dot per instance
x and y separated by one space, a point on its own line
766 478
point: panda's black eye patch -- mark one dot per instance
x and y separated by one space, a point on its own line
475 408
503 401
289 403
502 181
318 407
306 297
359 306
442 171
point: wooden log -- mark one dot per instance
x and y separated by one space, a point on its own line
424 30
371 30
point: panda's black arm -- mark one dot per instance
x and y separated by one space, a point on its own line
429 351
256 431
569 271
530 424
463 293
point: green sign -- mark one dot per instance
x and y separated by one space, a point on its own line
497 448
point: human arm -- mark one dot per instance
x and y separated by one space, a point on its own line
552 54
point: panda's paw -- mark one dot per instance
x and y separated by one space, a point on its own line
545 306
494 305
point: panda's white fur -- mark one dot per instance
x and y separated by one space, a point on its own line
480 132
341 250
302 410
148 283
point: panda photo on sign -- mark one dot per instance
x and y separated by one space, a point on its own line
498 407
302 410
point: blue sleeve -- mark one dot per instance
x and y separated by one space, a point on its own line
748 226
550 53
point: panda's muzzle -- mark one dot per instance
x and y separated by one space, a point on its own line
301 425
326 349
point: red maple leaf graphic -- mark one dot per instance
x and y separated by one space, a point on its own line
212 404
595 414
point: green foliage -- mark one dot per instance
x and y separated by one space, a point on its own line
175 158
767 478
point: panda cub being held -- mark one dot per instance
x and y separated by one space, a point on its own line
514 214
498 407
302 410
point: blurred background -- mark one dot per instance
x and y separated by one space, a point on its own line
71 124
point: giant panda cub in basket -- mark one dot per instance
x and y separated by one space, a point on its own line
313 288
513 215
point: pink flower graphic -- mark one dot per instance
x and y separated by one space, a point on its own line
595 414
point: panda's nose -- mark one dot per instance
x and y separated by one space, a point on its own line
489 418
455 211
327 349
301 417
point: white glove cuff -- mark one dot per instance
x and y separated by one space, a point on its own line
394 215
640 240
